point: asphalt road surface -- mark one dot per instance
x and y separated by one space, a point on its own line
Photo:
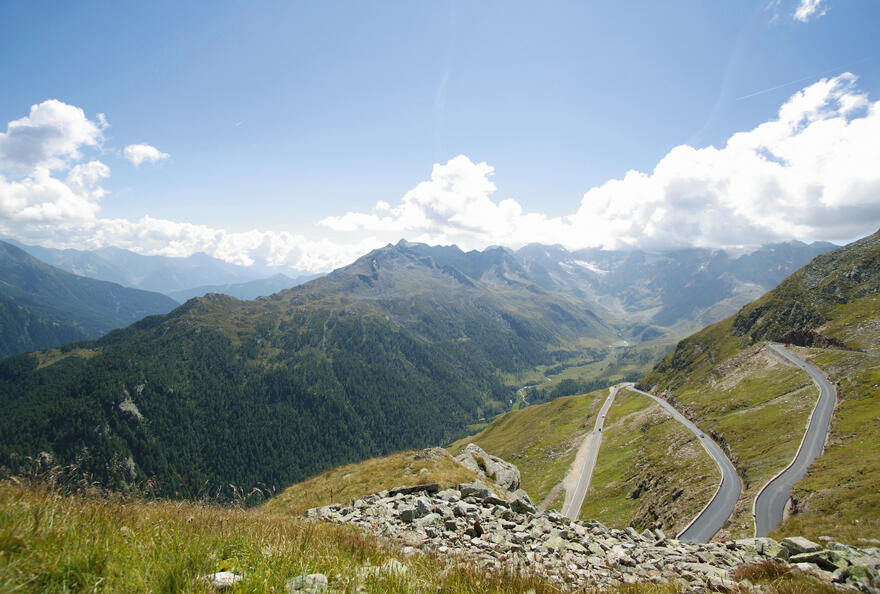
573 508
709 521
772 499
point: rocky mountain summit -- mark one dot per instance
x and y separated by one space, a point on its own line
503 531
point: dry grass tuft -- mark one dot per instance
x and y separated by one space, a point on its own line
777 578
342 484
763 570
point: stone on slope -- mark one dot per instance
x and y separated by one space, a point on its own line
798 544
221 580
502 473
577 555
827 560
522 503
475 489
428 487
407 513
313 582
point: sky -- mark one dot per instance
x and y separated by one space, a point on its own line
304 134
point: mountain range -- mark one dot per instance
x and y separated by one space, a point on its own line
162 274
684 289
43 307
260 287
405 347
651 471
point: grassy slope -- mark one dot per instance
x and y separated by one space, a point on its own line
612 364
757 407
839 495
53 543
347 482
651 470
836 295
541 440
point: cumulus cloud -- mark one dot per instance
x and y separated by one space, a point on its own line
810 9
49 137
140 153
810 173
454 206
50 194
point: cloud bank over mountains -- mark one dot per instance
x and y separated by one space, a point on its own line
809 173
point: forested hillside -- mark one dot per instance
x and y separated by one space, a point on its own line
43 307
400 349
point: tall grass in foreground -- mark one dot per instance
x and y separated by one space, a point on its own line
52 542
61 543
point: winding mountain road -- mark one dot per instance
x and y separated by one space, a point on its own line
770 503
710 520
571 509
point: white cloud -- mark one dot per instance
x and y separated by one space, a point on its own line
809 9
153 236
809 173
49 137
140 153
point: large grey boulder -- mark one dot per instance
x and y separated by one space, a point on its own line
522 503
407 490
799 544
475 489
491 467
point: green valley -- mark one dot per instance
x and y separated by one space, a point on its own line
401 349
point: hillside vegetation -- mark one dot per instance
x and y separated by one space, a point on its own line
839 495
401 349
55 543
651 471
758 408
351 481
542 441
43 307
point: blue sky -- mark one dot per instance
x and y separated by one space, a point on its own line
269 121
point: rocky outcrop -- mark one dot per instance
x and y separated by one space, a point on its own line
470 524
810 338
493 468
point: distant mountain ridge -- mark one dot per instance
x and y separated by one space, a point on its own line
681 290
154 273
42 306
688 288
261 287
